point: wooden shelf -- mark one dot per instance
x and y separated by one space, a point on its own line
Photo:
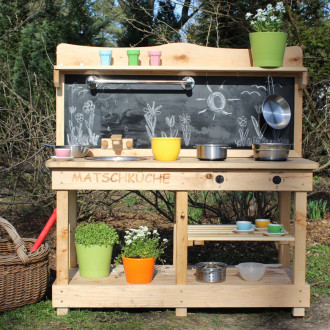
275 289
182 69
165 275
225 233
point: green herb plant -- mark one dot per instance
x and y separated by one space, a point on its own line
317 209
99 234
269 19
142 243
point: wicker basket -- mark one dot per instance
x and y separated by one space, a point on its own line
24 275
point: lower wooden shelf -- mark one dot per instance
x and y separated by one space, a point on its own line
274 290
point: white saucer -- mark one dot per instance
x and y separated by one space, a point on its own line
267 233
250 231
261 229
62 158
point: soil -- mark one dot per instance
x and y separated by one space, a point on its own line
317 316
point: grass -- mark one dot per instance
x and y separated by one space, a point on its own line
317 270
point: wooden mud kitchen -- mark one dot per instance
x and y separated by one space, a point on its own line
203 95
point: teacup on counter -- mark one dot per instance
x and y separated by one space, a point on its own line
262 223
244 225
275 228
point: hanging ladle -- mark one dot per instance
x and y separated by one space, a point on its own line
275 108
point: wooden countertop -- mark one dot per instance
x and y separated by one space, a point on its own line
185 164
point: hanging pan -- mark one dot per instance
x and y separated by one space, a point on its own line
275 108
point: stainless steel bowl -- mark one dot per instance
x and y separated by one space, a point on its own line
211 151
77 151
271 151
211 272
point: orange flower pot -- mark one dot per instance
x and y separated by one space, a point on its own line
139 271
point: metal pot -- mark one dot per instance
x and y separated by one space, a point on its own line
211 272
271 151
211 151
77 151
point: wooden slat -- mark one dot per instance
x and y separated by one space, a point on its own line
225 233
187 164
95 179
181 220
285 210
299 264
62 237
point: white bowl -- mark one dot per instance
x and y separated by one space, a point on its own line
251 271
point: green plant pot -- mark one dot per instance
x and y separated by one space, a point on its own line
94 261
133 56
268 48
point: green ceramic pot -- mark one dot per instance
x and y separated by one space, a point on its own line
268 48
133 56
94 261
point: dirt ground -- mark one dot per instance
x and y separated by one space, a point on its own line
317 317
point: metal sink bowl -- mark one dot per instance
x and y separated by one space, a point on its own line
116 158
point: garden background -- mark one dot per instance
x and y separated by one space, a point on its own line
29 34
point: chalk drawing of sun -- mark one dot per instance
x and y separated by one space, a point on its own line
216 101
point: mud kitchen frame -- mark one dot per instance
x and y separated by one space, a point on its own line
175 286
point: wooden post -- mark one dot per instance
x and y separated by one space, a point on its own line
72 225
66 208
181 237
299 264
285 210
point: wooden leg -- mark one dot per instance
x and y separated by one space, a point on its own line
174 245
181 237
298 312
285 210
181 312
299 263
66 208
62 311
72 214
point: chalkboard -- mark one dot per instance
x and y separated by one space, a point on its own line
219 109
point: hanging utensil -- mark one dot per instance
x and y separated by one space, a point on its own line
275 108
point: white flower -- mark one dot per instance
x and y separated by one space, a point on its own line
269 7
248 15
128 242
273 18
155 232
165 240
279 7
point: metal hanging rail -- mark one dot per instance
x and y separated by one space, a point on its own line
186 83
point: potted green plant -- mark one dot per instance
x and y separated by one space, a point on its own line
139 253
94 243
268 42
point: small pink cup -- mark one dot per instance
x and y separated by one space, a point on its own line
155 57
63 152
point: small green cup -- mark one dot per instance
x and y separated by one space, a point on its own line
133 56
275 228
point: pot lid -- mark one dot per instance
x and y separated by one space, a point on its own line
211 265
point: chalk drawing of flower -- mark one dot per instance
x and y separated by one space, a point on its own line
185 125
79 118
242 121
89 107
150 114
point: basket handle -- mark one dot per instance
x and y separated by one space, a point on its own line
17 240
